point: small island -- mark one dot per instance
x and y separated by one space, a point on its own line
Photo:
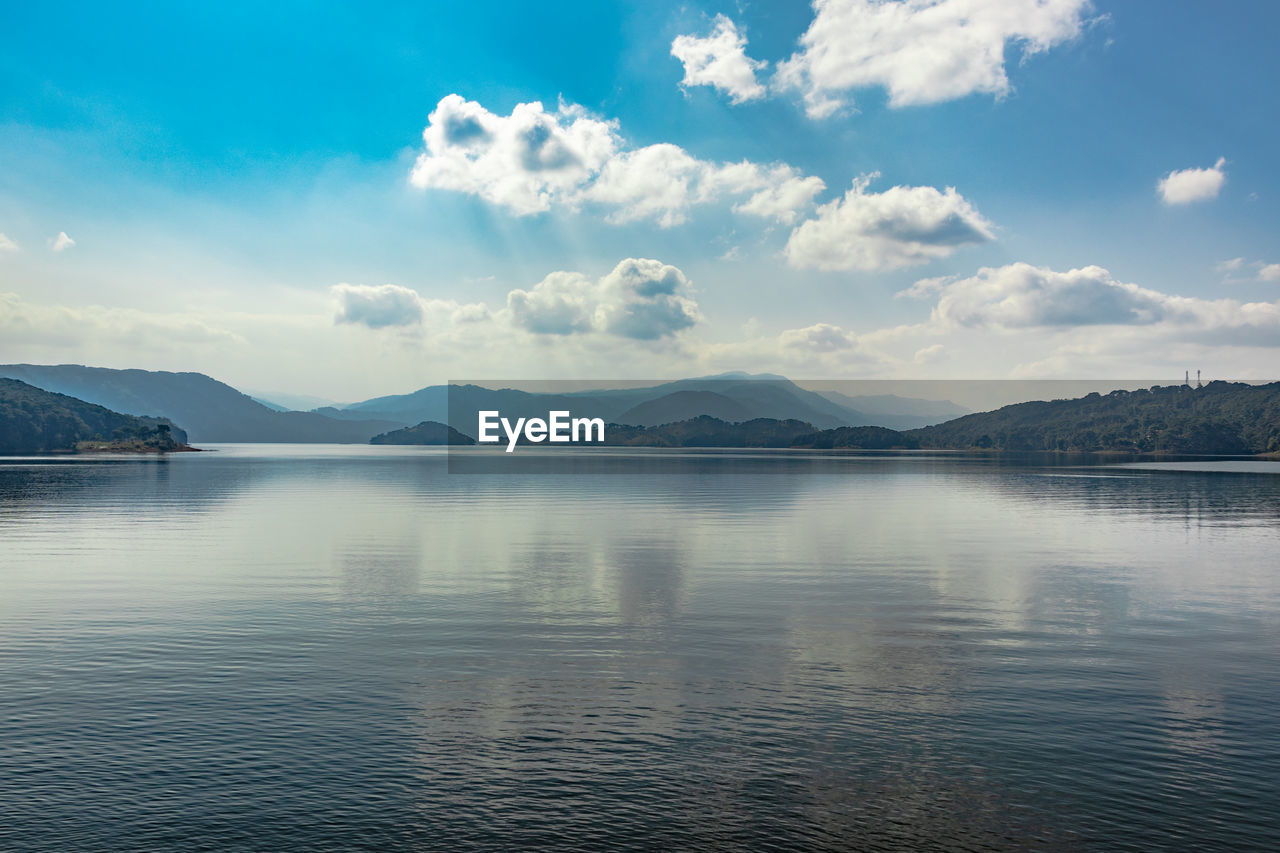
427 432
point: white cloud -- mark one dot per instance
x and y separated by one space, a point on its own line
820 337
461 314
645 299
930 354
900 227
7 245
377 307
523 161
640 298
1023 297
1240 271
62 242
921 51
822 349
720 60
1189 185
563 303
655 182
783 193
78 329
533 159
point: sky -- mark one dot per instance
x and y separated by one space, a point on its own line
344 201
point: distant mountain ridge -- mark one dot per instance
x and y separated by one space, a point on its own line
728 396
209 410
676 406
890 410
212 411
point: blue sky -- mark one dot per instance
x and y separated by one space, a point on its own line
234 184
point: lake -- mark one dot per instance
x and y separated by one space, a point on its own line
350 648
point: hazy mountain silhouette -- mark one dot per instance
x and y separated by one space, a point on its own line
890 410
207 409
729 396
683 405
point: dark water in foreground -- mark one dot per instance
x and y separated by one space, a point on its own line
276 648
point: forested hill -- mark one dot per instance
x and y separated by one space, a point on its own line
33 420
706 431
427 432
1220 418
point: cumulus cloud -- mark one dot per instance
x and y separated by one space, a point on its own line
533 159
390 306
900 227
523 161
1024 297
1185 186
62 242
7 245
720 60
563 303
645 299
820 337
377 307
921 51
640 298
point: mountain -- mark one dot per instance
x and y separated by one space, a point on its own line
731 396
427 432
283 401
1220 418
210 411
683 405
777 398
33 420
890 410
705 431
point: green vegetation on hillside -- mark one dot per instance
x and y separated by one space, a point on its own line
706 431
862 438
1220 418
37 421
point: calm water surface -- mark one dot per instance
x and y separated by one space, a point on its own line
346 648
